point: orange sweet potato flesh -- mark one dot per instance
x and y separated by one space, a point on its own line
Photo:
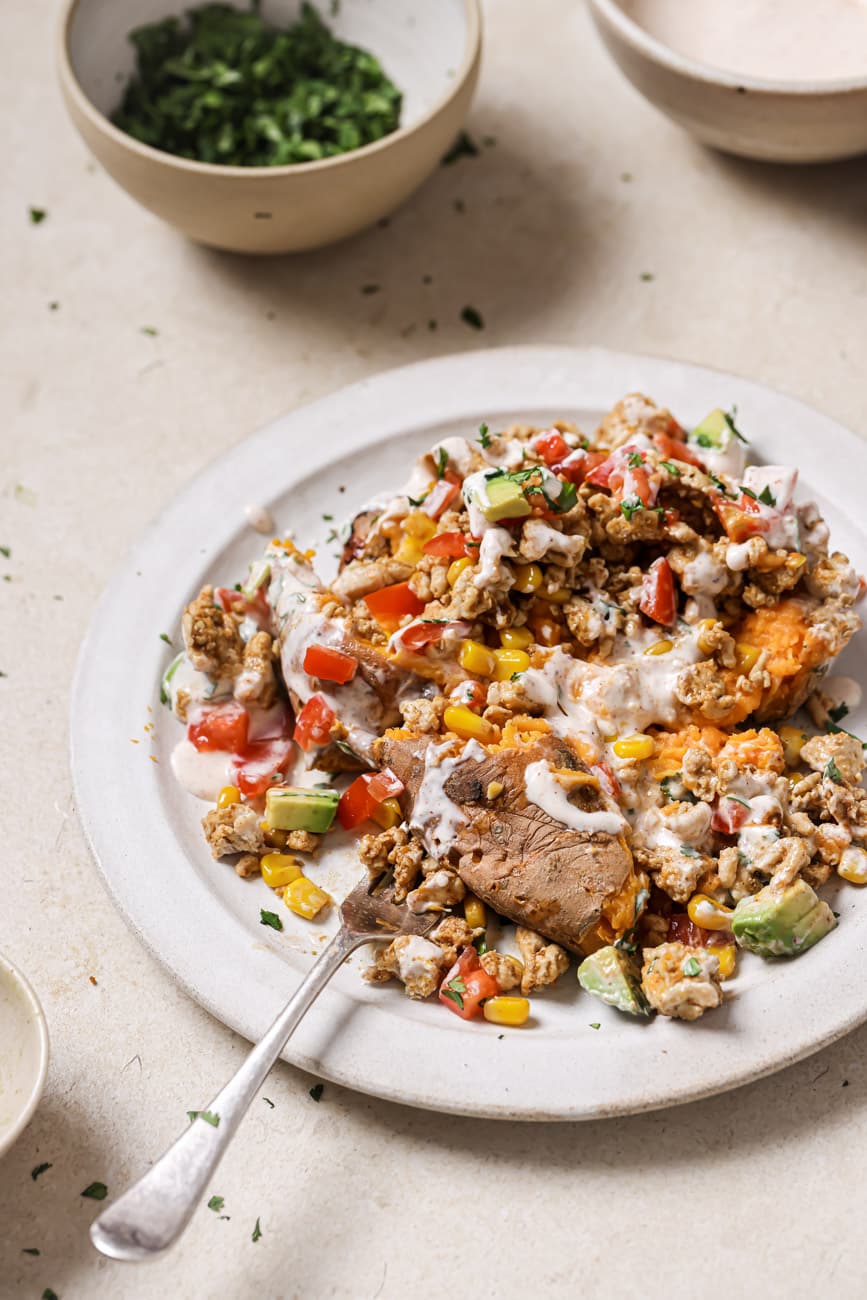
549 877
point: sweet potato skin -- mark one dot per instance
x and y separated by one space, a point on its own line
528 867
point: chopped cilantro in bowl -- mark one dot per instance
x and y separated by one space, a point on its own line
223 86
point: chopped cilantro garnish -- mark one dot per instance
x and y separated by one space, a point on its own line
216 1203
150 331
455 990
635 460
40 1169
442 461
838 713
463 147
269 1102
730 417
717 482
37 216
222 85
704 440
368 289
317 1090
270 918
29 1250
674 791
484 436
95 1191
7 551
165 637
767 497
670 466
832 772
630 505
595 1025
328 518
472 317
691 967
646 276
257 1232
748 492
48 1294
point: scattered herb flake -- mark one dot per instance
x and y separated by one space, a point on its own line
463 147
269 1101
257 1232
37 216
40 1169
455 990
626 177
484 438
54 306
837 714
767 497
209 1116
688 851
730 417
29 1250
832 772
630 505
216 1203
646 276
48 1294
7 551
165 637
670 466
270 918
317 1090
222 85
748 492
368 289
635 460
459 205
595 1025
432 325
95 1191
472 317
150 331
442 461
328 518
691 967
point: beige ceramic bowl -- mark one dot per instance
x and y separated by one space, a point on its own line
23 1053
430 48
775 121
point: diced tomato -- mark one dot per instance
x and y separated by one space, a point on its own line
676 449
415 636
623 479
601 472
729 816
658 597
385 785
254 607
578 464
329 665
862 588
636 483
552 447
222 727
441 495
452 545
356 803
389 605
314 722
467 986
608 780
260 762
472 694
738 524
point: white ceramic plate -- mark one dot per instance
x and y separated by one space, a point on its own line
23 1053
202 922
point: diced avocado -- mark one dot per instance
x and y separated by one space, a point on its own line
611 975
294 808
257 575
783 922
505 500
713 430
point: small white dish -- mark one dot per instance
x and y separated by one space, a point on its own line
797 121
23 1053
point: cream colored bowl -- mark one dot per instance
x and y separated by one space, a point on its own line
430 48
775 121
23 1053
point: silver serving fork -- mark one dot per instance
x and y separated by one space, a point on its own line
153 1213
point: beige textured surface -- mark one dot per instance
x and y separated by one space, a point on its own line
756 270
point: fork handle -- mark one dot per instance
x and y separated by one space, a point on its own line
152 1214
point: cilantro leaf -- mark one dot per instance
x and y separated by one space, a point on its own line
40 1169
216 1203
209 1116
635 460
257 1232
767 497
748 492
270 918
691 967
838 713
730 417
164 637
670 466
484 436
269 1101
37 216
317 1090
463 147
595 1025
48 1294
455 990
631 505
442 461
832 772
29 1250
96 1191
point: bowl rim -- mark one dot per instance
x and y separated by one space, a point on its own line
25 988
72 86
643 43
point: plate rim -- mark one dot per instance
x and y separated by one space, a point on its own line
355 1062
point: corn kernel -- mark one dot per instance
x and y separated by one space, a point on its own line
507 1011
528 578
636 746
509 662
279 869
230 794
853 865
703 639
793 739
708 913
387 814
304 898
727 955
456 568
495 789
410 551
746 655
559 597
476 658
659 648
468 725
418 524
474 911
516 638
